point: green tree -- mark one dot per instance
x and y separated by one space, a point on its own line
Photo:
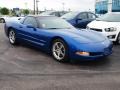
26 12
4 11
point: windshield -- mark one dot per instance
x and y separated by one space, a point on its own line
111 17
53 23
70 15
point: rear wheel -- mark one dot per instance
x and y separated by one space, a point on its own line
60 50
12 37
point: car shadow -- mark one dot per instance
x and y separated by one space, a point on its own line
100 64
97 62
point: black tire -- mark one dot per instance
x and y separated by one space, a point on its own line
118 39
66 56
14 41
2 20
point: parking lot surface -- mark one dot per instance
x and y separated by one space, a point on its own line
26 68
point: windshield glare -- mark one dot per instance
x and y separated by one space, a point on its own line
54 23
70 15
110 17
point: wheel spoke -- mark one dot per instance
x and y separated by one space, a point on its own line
57 46
59 54
62 53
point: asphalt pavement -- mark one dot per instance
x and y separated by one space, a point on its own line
27 68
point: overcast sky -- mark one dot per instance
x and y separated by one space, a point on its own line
75 5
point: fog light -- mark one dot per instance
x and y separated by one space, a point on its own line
111 36
83 53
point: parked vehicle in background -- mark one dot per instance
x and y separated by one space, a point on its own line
58 37
54 13
79 19
108 25
4 19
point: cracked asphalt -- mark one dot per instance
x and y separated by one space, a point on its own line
27 68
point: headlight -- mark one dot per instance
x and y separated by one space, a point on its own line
112 29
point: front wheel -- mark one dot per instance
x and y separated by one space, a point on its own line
2 20
12 37
60 50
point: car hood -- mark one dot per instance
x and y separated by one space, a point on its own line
82 35
103 24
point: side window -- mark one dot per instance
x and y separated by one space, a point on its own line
82 16
53 14
91 16
30 20
57 14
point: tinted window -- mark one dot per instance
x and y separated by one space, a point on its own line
91 16
55 14
46 13
62 13
30 21
82 16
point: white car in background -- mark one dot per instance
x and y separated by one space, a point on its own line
108 25
4 19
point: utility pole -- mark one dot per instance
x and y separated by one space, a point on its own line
63 6
34 7
26 5
109 6
37 1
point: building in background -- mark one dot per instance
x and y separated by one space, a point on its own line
102 6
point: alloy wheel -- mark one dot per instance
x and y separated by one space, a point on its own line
12 37
59 51
2 20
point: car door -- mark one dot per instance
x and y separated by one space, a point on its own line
81 20
28 31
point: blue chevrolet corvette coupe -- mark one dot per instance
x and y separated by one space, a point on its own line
58 37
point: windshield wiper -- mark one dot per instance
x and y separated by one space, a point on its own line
59 28
53 28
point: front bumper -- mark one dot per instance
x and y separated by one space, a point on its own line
93 54
112 36
78 57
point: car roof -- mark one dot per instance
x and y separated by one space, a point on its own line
40 16
81 11
114 12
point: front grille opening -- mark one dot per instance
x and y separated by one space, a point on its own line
95 53
98 30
